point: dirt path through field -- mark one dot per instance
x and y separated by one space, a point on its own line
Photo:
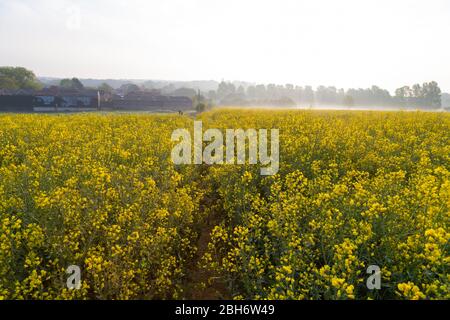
197 286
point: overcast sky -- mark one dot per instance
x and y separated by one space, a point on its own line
346 43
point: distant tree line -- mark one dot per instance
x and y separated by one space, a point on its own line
239 93
445 98
426 95
429 94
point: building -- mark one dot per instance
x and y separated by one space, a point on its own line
151 101
16 103
65 100
56 99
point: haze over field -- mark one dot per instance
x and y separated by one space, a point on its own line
345 43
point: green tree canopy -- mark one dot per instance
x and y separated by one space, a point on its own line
106 88
73 83
14 78
129 87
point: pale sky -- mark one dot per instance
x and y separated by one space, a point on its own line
345 43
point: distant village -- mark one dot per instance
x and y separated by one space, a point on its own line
22 91
60 99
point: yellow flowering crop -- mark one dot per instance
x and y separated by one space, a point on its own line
354 189
99 191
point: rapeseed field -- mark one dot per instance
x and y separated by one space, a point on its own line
354 189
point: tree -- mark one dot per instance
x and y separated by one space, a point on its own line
77 84
129 87
73 83
298 94
380 97
212 95
225 89
241 90
200 107
427 95
348 101
308 95
289 91
404 95
105 88
445 97
326 95
260 91
251 92
14 78
271 91
431 94
417 91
